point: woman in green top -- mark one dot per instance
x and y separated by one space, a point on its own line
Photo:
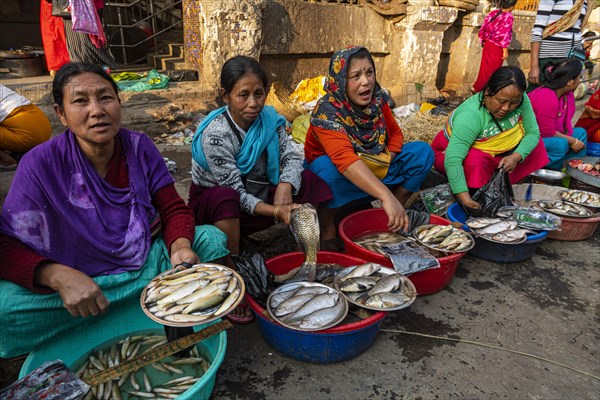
495 128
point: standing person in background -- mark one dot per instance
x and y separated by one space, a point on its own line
86 48
22 126
495 36
53 38
587 47
556 31
554 108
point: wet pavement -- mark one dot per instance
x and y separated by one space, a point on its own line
528 330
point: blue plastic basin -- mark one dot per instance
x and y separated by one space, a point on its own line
497 252
124 320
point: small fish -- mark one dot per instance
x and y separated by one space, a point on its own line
228 302
181 293
478 223
292 304
142 394
323 317
205 302
387 284
318 302
358 284
362 270
498 227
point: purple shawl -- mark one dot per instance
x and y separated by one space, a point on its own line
60 207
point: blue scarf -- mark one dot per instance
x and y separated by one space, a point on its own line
261 135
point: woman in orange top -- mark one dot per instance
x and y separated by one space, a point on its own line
352 129
590 118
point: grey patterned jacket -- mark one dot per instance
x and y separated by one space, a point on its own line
221 145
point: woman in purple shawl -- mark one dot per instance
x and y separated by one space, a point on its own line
79 228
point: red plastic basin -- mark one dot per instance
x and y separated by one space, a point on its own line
375 220
342 342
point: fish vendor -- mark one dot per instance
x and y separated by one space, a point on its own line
246 173
91 217
495 128
355 144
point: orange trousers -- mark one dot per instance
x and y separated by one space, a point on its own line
24 128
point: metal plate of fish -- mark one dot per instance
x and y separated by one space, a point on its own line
375 287
307 306
581 197
445 238
192 296
565 209
373 241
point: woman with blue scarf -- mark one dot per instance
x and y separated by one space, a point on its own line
246 173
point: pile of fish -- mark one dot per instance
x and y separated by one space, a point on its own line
561 207
373 286
170 377
307 306
324 273
498 230
580 197
444 238
192 295
375 241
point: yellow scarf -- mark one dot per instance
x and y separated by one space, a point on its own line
498 144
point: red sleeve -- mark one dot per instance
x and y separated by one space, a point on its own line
18 264
176 217
395 137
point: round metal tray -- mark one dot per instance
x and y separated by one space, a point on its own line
235 275
588 213
548 175
489 239
299 285
583 177
580 204
406 287
434 247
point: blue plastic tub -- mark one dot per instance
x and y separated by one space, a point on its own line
498 252
340 343
121 321
593 149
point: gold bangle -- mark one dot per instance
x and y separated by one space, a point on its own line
276 211
574 144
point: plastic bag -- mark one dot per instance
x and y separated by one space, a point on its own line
258 280
493 195
153 80
300 127
533 218
437 199
85 17
408 257
50 381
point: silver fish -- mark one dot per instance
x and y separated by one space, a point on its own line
316 303
478 223
358 284
205 302
387 284
322 317
511 236
229 301
498 227
280 297
292 304
362 270
305 227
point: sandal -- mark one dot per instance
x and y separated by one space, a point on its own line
243 320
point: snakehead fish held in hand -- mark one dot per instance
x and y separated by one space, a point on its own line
305 227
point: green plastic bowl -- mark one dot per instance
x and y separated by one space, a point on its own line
121 321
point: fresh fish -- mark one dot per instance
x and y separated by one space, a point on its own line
229 301
206 302
387 284
362 270
358 284
186 278
387 300
323 317
182 292
316 303
323 271
511 236
292 304
205 291
280 297
314 290
497 227
305 227
186 318
478 223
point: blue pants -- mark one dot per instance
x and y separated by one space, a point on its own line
408 169
558 149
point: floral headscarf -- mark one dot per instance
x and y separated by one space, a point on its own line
365 127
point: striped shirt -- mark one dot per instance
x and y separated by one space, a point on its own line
559 44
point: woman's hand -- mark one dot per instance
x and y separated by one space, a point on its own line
465 199
397 217
181 251
509 163
534 75
283 194
284 212
593 113
81 296
576 145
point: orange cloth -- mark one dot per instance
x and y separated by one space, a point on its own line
53 37
24 128
338 146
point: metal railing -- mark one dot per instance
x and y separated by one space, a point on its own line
133 27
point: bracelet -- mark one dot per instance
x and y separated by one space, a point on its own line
574 144
276 211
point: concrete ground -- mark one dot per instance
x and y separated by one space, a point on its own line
518 331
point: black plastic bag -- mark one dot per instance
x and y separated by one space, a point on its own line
492 196
258 280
